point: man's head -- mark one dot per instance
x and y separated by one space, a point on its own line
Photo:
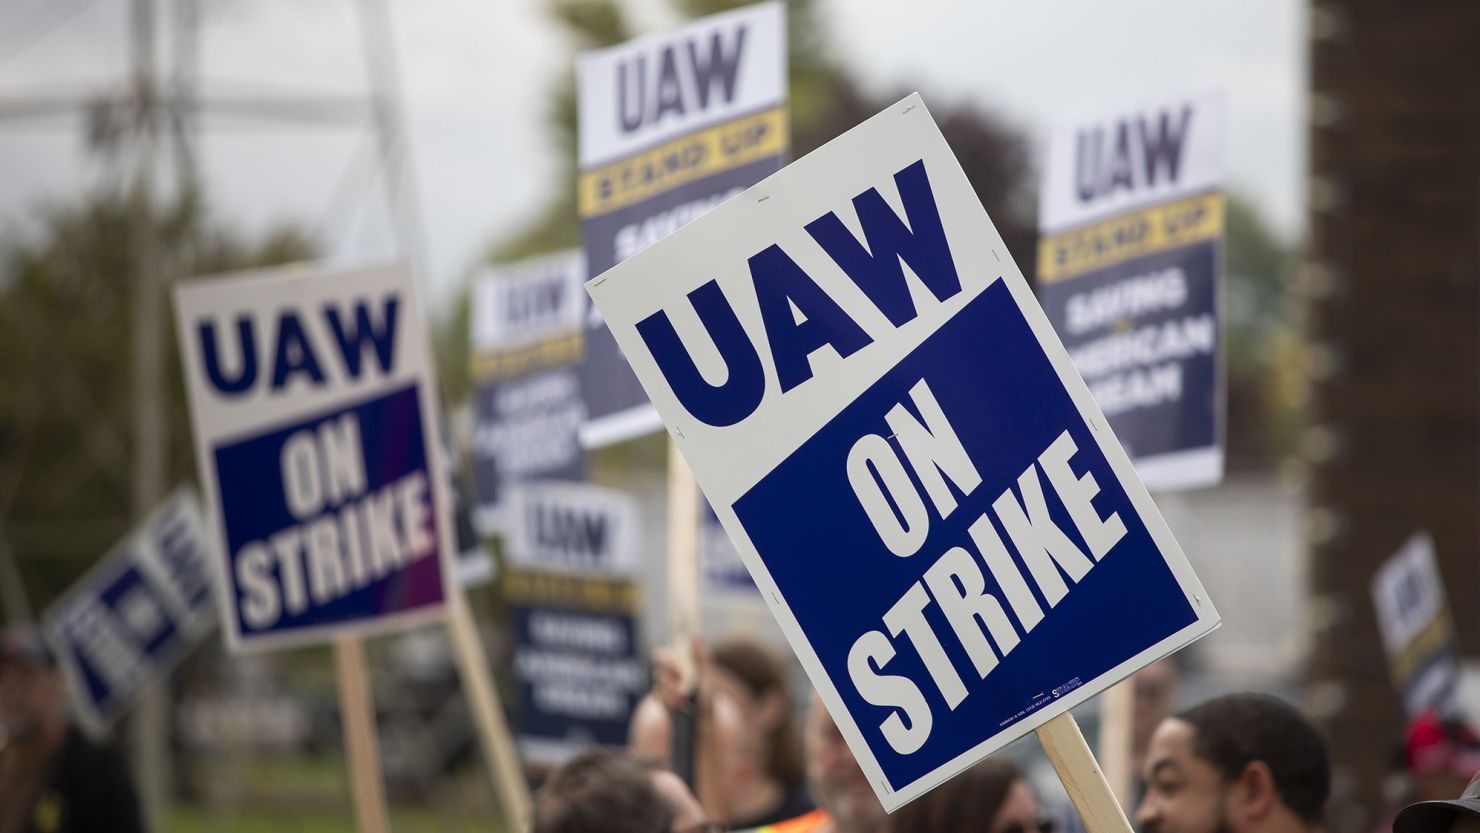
604 791
834 777
1460 815
1244 763
32 692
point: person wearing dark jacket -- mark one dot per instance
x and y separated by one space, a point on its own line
53 779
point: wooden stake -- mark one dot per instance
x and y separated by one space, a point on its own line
1080 772
683 560
361 747
1117 706
692 760
493 730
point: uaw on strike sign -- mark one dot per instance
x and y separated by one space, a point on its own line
315 432
948 533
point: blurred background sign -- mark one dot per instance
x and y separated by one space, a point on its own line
1129 272
1417 632
525 331
573 553
129 621
671 125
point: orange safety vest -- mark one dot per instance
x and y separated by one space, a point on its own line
801 824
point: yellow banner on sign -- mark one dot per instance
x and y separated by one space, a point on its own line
1160 227
491 367
1425 644
589 593
675 163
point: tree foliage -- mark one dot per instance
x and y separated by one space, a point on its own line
66 355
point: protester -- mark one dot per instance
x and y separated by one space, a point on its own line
52 778
846 802
717 726
1461 815
991 797
750 768
1243 763
605 791
1440 754
768 783
1437 759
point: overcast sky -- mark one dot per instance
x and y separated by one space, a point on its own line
477 75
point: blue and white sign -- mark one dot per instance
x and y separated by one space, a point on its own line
671 125
525 332
948 533
573 554
136 614
313 402
1129 266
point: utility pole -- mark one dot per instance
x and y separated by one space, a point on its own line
149 726
388 123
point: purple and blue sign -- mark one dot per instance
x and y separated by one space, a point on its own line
312 398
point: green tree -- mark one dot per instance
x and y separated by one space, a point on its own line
66 408
1260 337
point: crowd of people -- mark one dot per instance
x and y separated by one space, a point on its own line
1238 763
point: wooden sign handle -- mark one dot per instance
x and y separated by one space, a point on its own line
1117 712
1080 772
361 747
493 730
683 561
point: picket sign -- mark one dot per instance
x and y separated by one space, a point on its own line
922 486
1129 274
312 397
671 124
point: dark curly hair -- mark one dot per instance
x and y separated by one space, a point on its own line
1235 730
